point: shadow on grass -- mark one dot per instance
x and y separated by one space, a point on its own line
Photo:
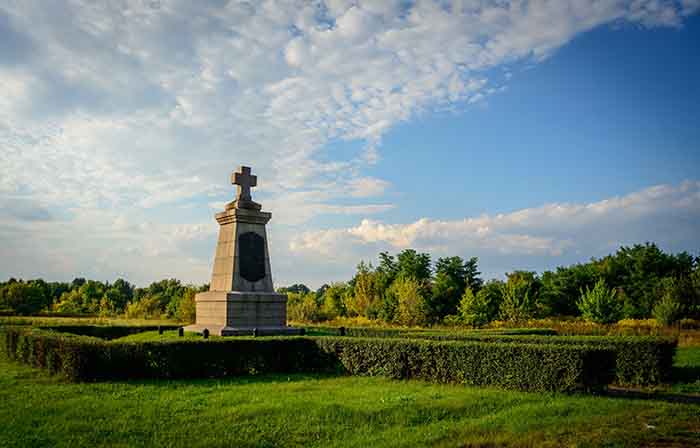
635 394
686 374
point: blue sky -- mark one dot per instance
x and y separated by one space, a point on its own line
528 133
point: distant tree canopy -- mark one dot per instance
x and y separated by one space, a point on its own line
166 298
641 281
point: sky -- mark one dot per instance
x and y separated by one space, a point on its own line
530 134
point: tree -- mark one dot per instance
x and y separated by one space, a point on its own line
320 292
474 308
365 291
333 301
70 302
668 311
492 292
388 267
560 289
518 297
452 276
24 298
600 304
411 264
412 306
187 308
298 288
444 297
303 307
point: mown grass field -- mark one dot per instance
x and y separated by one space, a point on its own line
316 410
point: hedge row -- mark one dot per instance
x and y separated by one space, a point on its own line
368 332
639 360
84 358
536 367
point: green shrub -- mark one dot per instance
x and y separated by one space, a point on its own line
474 309
412 304
668 311
639 360
600 304
518 299
535 367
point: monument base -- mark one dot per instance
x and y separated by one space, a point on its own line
231 331
236 313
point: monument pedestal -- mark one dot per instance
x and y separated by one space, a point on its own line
236 313
241 297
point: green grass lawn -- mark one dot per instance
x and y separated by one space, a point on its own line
315 410
687 371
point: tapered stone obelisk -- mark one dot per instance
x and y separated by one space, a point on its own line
241 297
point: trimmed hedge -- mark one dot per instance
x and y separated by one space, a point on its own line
369 332
639 360
533 367
537 367
84 358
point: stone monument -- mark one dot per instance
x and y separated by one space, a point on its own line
241 299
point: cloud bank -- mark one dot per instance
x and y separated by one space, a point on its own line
552 233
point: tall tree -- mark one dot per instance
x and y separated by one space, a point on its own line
412 264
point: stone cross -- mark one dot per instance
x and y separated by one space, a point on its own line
244 180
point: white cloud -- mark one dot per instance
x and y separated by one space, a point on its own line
665 214
363 187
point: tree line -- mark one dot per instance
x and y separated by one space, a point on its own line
637 282
407 288
166 298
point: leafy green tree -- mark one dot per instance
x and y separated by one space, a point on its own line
519 296
365 291
412 307
668 311
186 309
303 307
474 308
600 304
639 270
388 267
71 302
320 292
411 264
298 288
24 298
452 276
561 288
333 301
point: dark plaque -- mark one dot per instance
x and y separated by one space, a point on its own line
251 253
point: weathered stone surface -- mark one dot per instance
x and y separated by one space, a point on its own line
241 295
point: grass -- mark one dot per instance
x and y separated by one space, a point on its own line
315 410
169 335
687 371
